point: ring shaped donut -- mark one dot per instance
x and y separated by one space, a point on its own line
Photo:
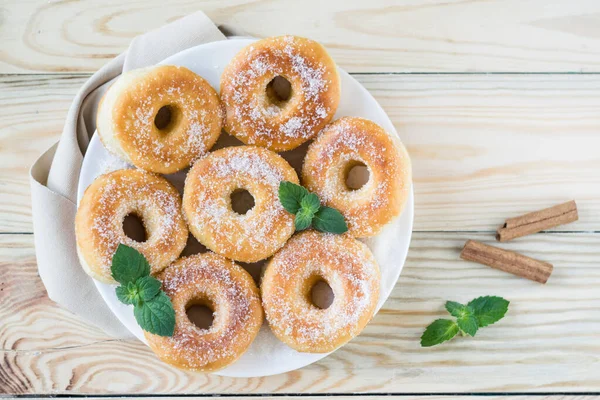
207 204
344 144
160 118
213 281
350 269
103 208
250 91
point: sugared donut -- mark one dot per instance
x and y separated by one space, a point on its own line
350 269
344 144
104 206
229 291
207 205
252 86
160 118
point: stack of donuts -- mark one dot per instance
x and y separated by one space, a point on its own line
275 95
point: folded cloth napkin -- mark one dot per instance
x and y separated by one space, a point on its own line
54 176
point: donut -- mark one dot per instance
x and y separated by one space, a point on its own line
350 269
207 204
104 206
228 290
160 118
252 86
350 142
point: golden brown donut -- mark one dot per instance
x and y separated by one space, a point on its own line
351 141
350 269
226 288
104 206
160 118
257 114
248 237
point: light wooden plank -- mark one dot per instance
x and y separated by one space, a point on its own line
382 35
547 343
484 147
32 114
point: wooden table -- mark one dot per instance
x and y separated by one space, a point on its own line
498 103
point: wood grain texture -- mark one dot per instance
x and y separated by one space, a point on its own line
548 341
484 147
32 114
363 36
384 397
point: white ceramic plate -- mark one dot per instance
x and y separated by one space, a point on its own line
267 355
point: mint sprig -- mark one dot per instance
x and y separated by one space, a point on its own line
465 317
489 309
290 196
156 316
308 211
329 219
438 332
152 308
128 294
128 265
478 313
303 219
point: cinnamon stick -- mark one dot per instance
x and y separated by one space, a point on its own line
508 261
537 221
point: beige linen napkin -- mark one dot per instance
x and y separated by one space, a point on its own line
54 176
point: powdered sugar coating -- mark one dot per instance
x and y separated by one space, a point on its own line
349 141
106 203
252 116
230 292
349 268
126 118
246 237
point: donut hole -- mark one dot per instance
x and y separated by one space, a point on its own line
356 175
201 313
321 294
241 201
279 91
133 227
165 118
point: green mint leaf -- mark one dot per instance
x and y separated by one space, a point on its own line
128 294
468 324
330 220
310 204
148 287
465 317
290 196
489 309
438 332
156 316
456 309
128 265
303 219
123 295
